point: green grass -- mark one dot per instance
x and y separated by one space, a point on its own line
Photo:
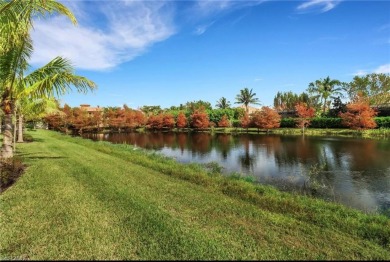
93 200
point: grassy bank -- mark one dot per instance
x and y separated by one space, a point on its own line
93 200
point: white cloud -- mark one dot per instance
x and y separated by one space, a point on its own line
126 30
113 32
207 7
321 6
383 69
360 72
200 30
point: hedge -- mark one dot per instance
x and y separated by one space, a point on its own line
332 122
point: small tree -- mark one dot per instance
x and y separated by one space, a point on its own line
168 121
155 121
224 122
200 119
305 113
181 120
359 114
266 118
245 121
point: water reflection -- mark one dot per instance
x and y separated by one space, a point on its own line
356 171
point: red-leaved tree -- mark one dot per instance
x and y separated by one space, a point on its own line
200 119
224 122
181 120
168 121
155 121
245 121
266 118
305 113
359 114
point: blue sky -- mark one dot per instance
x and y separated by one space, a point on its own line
170 52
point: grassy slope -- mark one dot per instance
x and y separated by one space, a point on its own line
85 200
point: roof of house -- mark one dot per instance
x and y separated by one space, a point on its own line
251 109
88 108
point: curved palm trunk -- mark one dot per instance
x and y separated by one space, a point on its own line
20 129
14 135
6 149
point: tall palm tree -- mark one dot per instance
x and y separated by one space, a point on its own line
246 97
55 78
324 89
222 103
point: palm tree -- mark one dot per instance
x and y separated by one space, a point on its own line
223 103
246 97
325 88
55 78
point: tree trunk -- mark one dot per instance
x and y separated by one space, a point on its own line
6 149
324 106
20 129
14 135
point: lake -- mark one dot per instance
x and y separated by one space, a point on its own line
352 171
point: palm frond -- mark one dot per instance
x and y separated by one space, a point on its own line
55 78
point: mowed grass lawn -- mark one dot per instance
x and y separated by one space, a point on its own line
80 199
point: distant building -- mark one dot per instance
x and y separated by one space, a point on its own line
251 109
91 110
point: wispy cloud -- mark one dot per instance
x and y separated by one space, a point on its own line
200 30
320 6
384 27
383 69
360 72
127 29
113 32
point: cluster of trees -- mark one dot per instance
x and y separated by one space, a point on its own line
23 93
325 95
357 114
126 118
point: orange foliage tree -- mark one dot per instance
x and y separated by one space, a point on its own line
359 114
245 121
54 121
305 113
181 120
155 121
80 118
200 119
266 118
224 122
168 121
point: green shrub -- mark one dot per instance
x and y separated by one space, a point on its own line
383 121
288 122
326 122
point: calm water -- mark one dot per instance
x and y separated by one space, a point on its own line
356 171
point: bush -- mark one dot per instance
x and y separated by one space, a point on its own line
382 121
10 170
326 122
288 122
